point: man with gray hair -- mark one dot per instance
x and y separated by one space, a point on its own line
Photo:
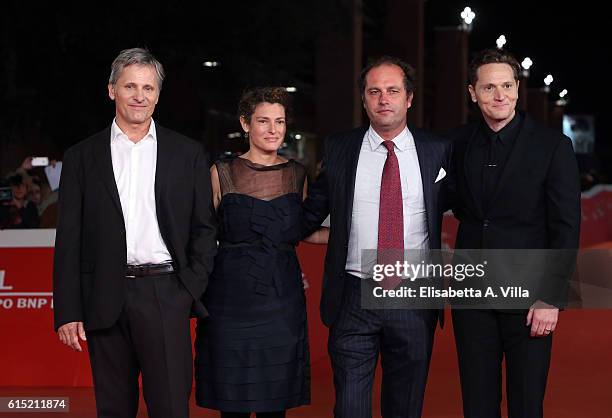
134 247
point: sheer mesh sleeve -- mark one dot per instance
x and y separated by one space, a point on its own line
242 176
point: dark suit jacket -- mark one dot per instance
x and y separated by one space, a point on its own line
536 204
89 281
332 193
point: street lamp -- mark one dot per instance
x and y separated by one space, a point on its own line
547 80
501 41
526 64
562 101
211 64
467 17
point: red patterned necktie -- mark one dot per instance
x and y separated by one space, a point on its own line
390 217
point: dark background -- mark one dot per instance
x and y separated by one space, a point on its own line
56 58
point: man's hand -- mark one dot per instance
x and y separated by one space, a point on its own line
543 319
70 333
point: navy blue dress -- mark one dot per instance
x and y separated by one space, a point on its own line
252 352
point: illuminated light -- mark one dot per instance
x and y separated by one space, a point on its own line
233 135
211 63
468 15
563 93
501 41
291 89
548 79
527 63
298 136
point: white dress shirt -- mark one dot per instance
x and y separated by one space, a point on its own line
364 222
134 168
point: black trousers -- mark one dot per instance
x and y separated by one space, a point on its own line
483 338
404 340
152 337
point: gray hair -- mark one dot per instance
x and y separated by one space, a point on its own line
138 56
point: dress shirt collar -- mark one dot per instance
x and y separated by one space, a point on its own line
403 141
117 133
507 134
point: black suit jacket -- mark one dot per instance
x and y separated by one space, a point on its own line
89 281
536 204
332 193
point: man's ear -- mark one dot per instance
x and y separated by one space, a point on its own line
472 93
111 91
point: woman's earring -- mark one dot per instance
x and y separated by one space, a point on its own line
246 134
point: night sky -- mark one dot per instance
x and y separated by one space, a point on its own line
56 56
567 39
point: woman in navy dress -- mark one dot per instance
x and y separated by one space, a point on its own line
252 351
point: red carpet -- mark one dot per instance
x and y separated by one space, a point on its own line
579 385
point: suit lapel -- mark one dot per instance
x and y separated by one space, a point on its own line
427 175
521 147
165 153
352 159
105 166
468 180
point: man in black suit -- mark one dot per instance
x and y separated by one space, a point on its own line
134 247
518 188
385 188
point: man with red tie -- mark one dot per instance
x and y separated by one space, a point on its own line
385 188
